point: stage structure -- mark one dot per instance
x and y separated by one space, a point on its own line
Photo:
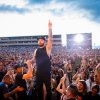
27 40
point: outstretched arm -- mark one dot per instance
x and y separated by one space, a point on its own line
9 94
49 42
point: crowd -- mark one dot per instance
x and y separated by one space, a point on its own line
75 74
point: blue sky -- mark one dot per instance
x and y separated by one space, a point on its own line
30 17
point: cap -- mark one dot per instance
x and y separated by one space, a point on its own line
41 37
18 66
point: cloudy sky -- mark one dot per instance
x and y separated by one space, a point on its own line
30 17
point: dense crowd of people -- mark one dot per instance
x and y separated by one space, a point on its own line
74 74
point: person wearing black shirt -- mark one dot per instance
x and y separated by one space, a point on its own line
43 64
93 95
20 79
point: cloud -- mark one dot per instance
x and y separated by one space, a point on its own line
93 6
86 8
18 6
17 3
8 8
22 6
38 1
90 6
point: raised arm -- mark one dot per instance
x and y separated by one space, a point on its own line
33 60
49 42
62 82
29 73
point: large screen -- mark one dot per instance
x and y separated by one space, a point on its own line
79 41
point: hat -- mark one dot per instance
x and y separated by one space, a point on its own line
18 66
41 37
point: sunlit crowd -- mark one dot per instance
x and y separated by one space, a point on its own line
75 74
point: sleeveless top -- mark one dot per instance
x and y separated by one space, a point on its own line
43 62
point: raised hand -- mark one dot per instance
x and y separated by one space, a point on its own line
28 62
50 24
63 78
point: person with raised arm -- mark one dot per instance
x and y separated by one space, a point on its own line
43 64
20 86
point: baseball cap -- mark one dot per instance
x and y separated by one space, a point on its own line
18 66
41 37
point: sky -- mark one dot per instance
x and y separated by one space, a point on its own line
30 17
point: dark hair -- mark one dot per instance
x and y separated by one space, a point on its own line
85 86
73 89
61 72
96 87
41 37
19 65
